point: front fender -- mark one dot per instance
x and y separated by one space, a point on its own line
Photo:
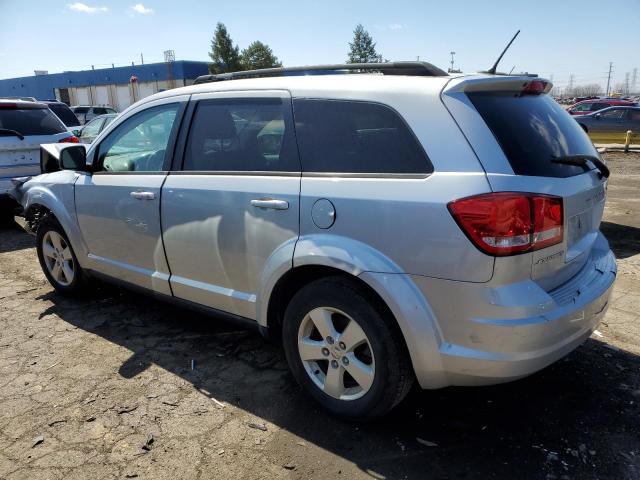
55 192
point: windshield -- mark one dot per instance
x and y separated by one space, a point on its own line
65 114
533 129
31 121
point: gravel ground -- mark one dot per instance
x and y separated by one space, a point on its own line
122 386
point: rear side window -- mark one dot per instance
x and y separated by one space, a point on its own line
65 114
80 109
338 136
31 121
242 135
532 129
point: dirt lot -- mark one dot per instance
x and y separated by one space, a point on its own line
104 388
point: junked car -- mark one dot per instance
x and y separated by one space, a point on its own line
612 124
24 126
387 223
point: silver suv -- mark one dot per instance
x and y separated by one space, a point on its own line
389 225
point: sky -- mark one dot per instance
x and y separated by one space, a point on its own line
558 38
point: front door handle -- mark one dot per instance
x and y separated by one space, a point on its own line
270 203
143 195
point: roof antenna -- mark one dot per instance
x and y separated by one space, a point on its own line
492 70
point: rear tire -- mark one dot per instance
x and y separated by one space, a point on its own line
345 349
57 258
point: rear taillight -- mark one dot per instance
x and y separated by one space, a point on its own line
507 223
72 139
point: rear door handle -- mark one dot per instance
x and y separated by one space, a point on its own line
143 195
270 203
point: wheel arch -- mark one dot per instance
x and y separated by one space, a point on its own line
394 291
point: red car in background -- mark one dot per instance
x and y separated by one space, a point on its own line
589 106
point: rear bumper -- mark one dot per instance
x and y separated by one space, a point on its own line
493 334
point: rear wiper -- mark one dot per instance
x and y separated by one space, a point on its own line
11 132
581 161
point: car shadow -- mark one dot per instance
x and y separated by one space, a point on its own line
623 239
13 237
579 418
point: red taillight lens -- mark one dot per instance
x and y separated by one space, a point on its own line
72 139
507 223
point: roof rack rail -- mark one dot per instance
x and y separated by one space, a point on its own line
387 68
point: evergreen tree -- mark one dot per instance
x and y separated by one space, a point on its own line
224 54
258 55
363 48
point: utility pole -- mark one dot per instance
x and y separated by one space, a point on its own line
609 77
570 85
634 79
452 54
141 59
626 83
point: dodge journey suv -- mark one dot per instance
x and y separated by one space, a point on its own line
388 224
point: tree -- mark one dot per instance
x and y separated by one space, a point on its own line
224 54
258 55
363 48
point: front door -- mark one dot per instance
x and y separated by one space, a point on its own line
118 206
234 202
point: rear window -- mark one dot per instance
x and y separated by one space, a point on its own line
532 129
31 121
65 114
339 136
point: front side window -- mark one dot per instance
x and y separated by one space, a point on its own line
242 135
139 144
338 136
613 114
599 106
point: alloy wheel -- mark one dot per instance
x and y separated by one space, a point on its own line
57 257
336 353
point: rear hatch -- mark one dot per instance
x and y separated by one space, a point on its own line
24 126
517 130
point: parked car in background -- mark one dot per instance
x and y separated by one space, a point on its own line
24 126
93 128
86 113
384 228
588 106
65 114
611 124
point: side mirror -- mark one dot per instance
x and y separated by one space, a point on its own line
74 158
597 116
63 156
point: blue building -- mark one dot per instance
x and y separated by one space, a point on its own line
116 87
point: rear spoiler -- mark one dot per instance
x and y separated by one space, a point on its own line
492 83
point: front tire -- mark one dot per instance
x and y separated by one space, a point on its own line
57 258
345 350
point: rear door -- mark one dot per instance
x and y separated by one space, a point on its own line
36 124
516 132
235 200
